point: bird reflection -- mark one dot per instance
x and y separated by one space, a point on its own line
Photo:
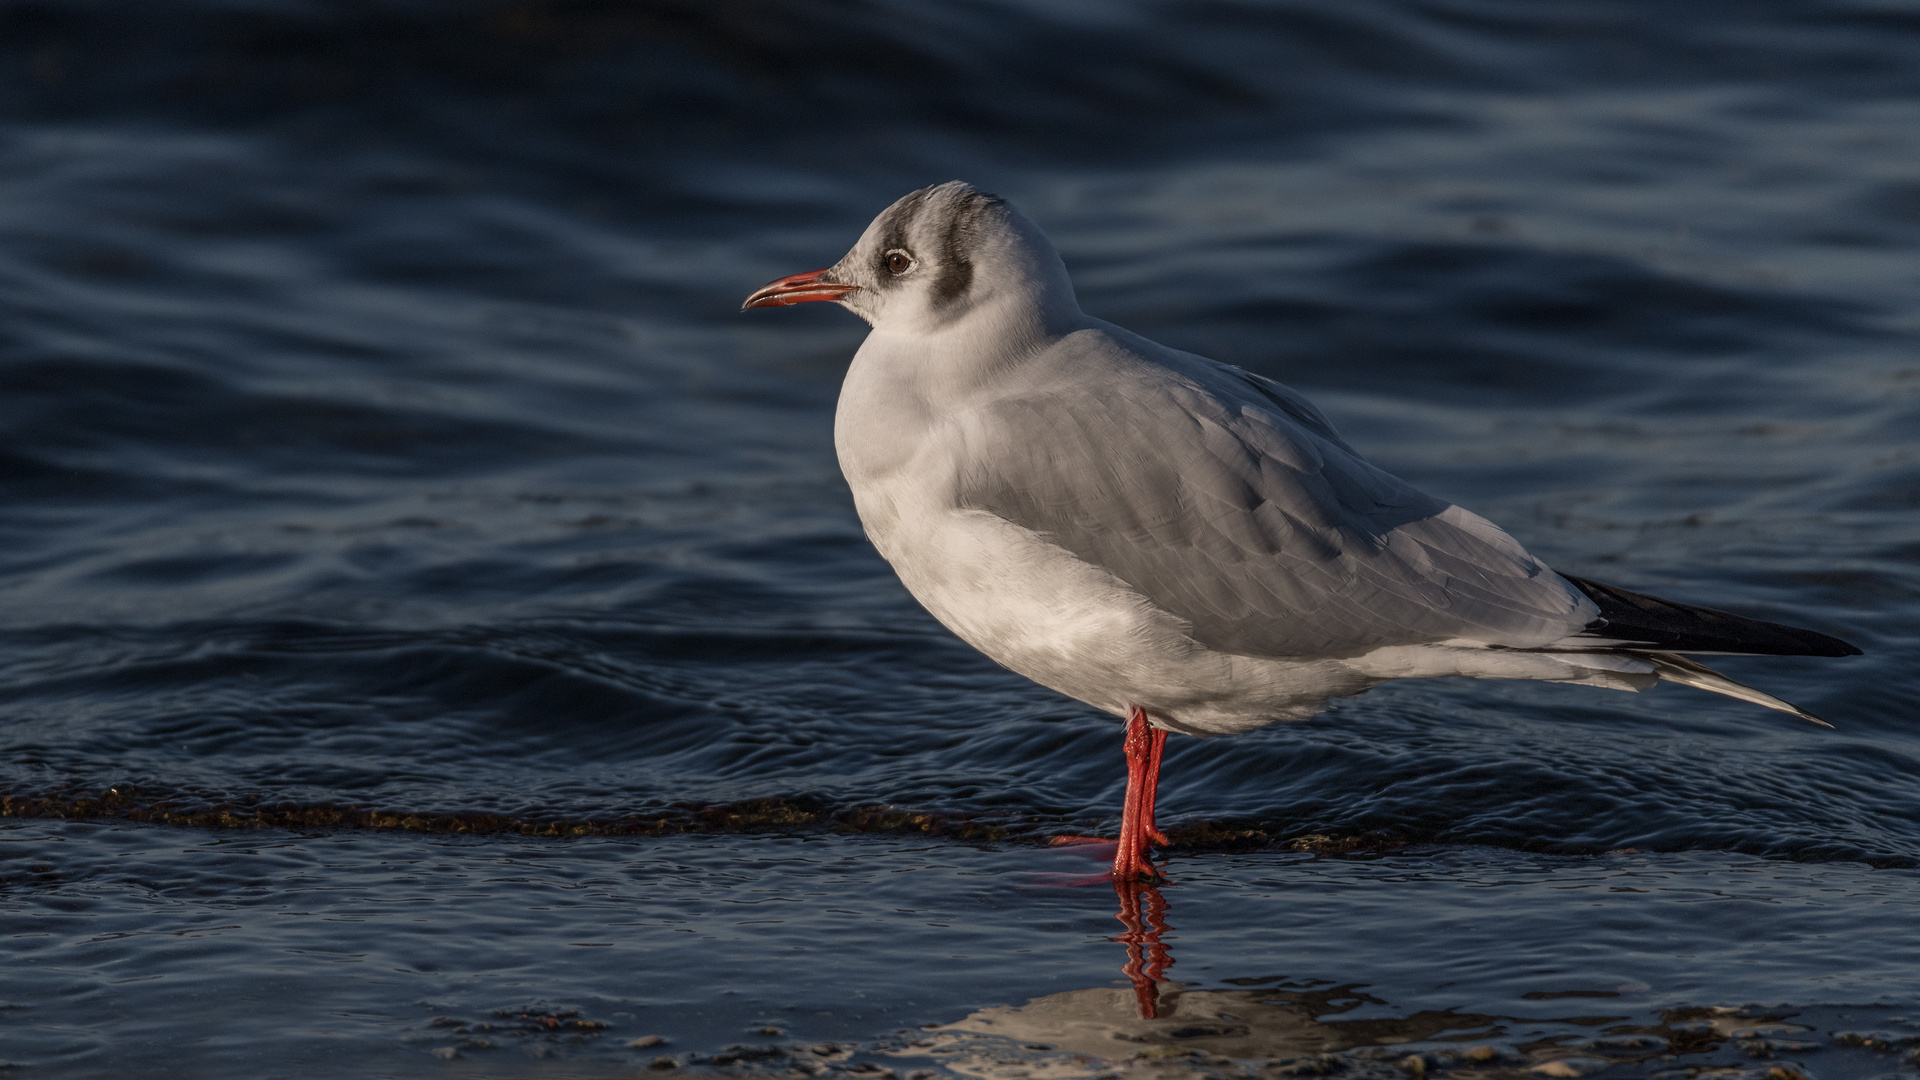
1143 911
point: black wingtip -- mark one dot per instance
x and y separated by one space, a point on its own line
1648 622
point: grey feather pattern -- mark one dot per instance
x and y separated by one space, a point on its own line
1229 501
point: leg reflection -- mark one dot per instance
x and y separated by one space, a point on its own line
1143 911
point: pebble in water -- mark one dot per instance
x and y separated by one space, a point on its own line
1570 1068
1882 1041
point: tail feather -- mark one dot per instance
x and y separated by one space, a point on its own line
1676 668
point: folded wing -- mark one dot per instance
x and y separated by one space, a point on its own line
1227 500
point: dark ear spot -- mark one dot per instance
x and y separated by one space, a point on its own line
956 247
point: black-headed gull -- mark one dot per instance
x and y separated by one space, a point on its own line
1173 540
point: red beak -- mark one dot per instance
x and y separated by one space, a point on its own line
797 289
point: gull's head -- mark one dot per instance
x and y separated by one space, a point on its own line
942 256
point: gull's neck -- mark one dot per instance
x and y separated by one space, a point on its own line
971 353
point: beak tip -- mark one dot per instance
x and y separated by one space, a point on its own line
797 289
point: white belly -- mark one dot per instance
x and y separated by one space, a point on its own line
1040 611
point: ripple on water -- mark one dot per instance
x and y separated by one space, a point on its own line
704 941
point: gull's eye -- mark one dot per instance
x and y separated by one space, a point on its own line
898 262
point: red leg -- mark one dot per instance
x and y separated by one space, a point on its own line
1137 829
1144 745
1157 743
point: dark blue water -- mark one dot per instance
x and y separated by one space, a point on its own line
435 638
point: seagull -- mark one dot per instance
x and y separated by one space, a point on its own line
1171 539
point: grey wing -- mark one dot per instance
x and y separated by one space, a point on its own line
1277 395
1255 523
